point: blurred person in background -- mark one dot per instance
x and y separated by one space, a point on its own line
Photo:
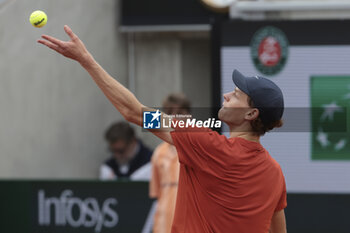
129 157
165 169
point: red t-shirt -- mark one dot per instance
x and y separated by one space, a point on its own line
226 185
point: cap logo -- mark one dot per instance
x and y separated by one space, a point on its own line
269 50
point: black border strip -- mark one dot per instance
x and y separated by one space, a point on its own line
165 12
216 24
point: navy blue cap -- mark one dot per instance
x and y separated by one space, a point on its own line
265 94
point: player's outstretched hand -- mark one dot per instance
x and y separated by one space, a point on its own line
74 48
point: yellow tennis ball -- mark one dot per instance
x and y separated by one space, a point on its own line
38 19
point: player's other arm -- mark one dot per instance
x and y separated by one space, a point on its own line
278 223
125 102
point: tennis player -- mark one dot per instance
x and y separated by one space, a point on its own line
226 185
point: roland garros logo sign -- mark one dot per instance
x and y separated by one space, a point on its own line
269 50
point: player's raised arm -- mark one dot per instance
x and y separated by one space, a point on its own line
125 101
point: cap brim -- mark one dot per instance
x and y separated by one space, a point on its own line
240 81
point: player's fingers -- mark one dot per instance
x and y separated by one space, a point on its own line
50 45
69 32
52 40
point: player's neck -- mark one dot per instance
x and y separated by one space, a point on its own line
245 133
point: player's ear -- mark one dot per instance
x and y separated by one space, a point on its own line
252 114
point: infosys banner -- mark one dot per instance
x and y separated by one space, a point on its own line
43 206
309 60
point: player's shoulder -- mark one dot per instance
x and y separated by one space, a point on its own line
215 140
274 163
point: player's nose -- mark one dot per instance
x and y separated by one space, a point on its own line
226 97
